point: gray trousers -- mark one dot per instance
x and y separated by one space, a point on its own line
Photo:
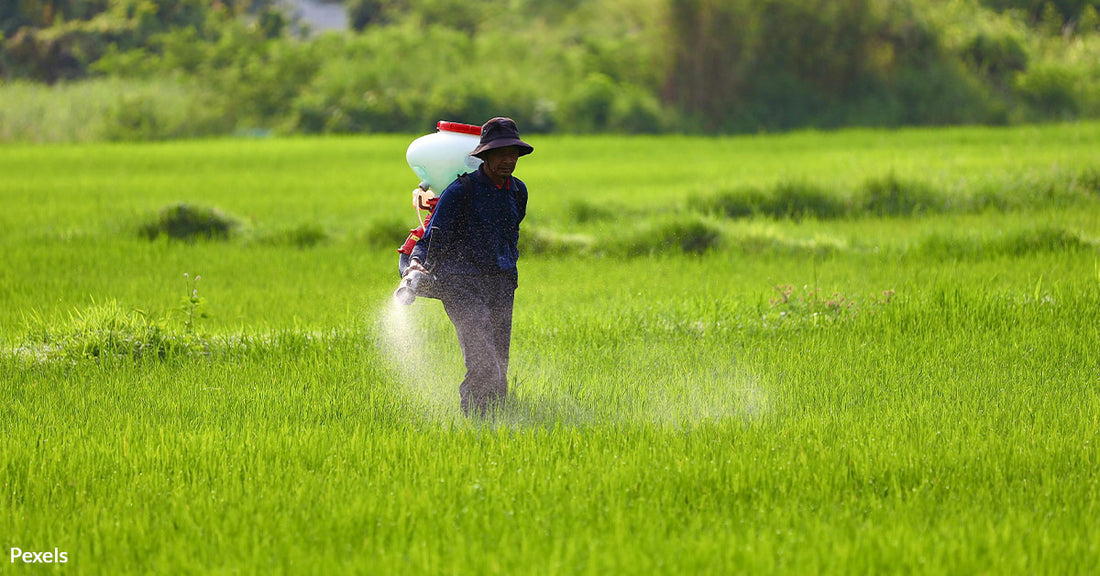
480 307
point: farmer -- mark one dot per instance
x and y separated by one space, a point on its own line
470 249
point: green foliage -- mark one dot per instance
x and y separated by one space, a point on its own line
386 233
109 331
585 211
890 196
1039 240
800 199
599 104
787 199
1088 23
190 222
786 64
302 236
54 40
377 83
633 67
158 112
110 109
893 196
756 241
999 56
1087 180
1051 91
674 235
589 105
364 13
1049 16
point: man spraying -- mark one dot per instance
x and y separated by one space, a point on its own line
469 249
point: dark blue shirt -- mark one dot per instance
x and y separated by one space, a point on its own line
474 231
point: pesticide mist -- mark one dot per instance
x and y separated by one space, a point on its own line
591 385
410 345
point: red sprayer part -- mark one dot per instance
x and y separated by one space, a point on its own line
414 235
458 127
417 233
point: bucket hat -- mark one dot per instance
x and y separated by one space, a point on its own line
501 132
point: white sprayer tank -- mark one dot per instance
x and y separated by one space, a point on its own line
437 159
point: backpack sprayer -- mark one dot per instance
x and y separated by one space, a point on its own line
437 159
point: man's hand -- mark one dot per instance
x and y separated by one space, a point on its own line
416 265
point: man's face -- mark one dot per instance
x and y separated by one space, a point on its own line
501 162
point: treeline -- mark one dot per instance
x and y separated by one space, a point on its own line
174 68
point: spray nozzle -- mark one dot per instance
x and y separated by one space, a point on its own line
406 289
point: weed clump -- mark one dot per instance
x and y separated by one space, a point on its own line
190 222
1088 180
890 196
742 202
1040 240
793 200
583 212
757 242
1062 189
109 330
798 200
689 236
302 236
1073 186
306 235
386 232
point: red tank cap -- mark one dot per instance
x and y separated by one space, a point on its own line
460 128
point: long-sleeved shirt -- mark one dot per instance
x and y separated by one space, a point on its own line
474 230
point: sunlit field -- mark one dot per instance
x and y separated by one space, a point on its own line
836 353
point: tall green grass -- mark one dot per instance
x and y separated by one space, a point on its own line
892 390
110 110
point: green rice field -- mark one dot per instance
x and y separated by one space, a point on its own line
854 352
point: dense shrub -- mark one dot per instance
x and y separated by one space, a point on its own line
998 56
1050 90
61 39
1053 13
780 63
